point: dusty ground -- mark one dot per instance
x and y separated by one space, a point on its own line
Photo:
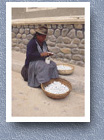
27 101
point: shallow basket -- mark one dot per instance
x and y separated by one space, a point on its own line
57 96
66 72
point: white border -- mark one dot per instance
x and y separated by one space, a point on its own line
9 6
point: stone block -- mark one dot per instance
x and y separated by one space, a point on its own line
14 44
60 55
68 56
26 26
14 40
81 46
25 41
60 45
16 48
49 43
37 25
82 51
54 56
50 31
69 26
76 41
71 34
31 26
83 41
32 31
59 39
21 31
65 50
18 26
83 58
78 26
72 45
66 40
21 46
57 33
80 63
24 36
13 35
27 31
54 26
19 35
60 26
75 50
59 59
65 60
49 26
80 34
15 30
72 62
64 32
67 45
77 57
54 49
52 38
29 36
19 40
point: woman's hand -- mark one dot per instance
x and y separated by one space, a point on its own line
46 54
50 53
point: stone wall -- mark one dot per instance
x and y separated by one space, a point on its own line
66 41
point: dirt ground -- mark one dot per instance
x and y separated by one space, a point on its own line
27 101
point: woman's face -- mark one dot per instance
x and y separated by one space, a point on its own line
41 38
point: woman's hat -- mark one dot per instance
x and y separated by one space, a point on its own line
42 30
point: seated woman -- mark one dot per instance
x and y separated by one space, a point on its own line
36 70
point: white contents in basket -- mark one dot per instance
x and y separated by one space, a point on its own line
56 88
63 67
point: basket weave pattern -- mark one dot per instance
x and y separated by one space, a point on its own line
57 96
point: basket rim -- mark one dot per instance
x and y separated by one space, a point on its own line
66 71
52 95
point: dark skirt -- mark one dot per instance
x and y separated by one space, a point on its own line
24 73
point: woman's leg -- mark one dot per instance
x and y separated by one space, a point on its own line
45 71
54 70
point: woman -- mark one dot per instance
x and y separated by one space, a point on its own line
36 70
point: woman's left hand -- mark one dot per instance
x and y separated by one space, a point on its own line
49 53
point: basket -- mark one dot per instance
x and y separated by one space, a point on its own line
56 96
66 72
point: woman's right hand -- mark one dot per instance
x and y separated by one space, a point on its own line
44 54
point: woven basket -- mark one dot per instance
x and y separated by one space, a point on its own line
57 96
66 72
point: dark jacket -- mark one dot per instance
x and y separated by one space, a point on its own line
32 53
